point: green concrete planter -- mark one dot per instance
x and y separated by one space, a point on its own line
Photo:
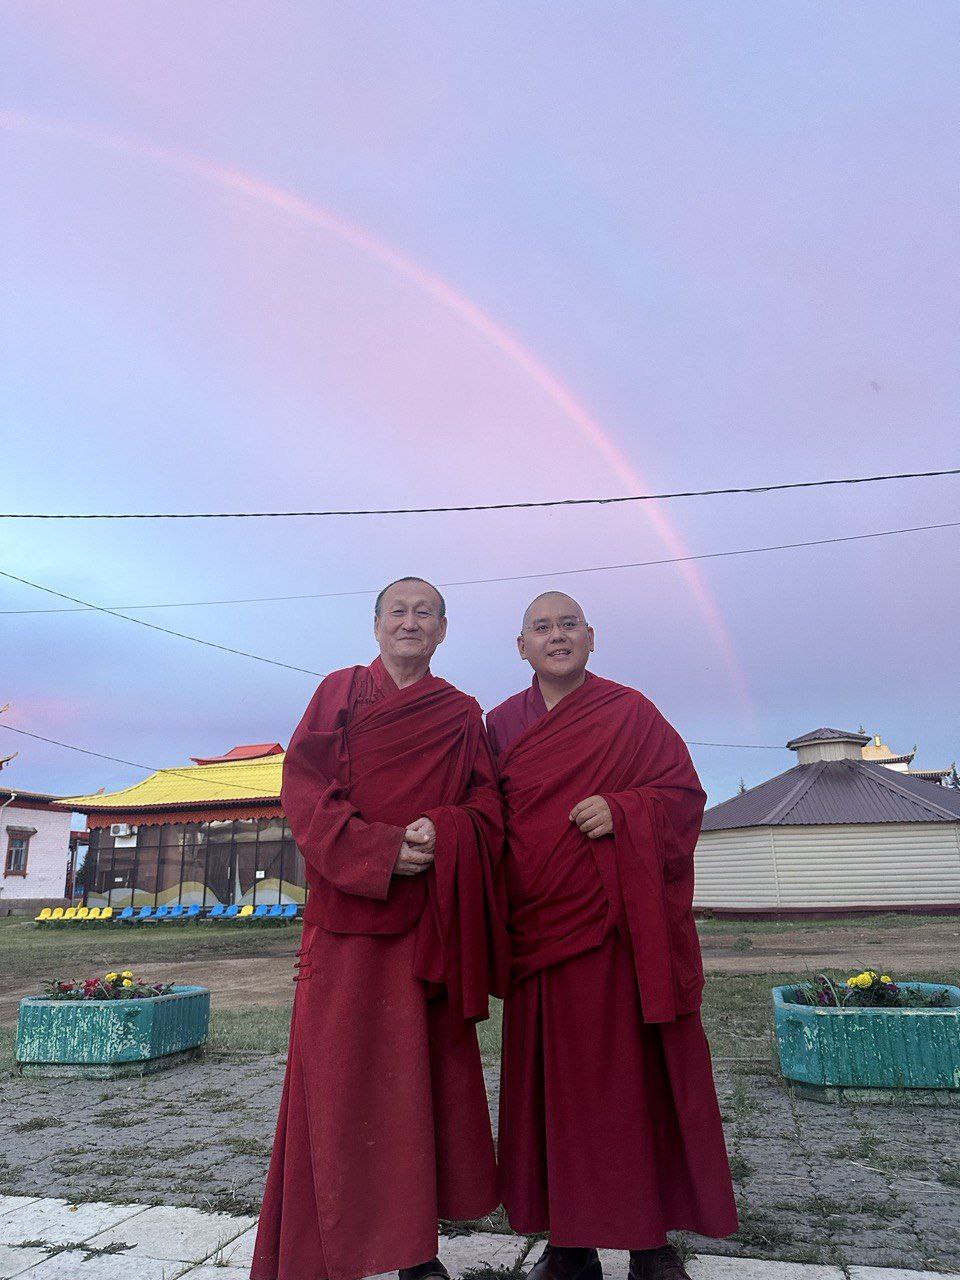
870 1055
101 1039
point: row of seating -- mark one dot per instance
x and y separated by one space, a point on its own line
263 913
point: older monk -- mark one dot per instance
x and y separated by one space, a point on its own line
390 791
610 1132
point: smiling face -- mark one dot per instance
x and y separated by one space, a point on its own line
410 622
555 639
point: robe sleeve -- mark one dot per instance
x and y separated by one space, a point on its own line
462 938
650 877
357 857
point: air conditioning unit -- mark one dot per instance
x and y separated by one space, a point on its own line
122 830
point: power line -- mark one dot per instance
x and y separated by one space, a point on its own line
152 626
113 610
482 506
190 774
147 768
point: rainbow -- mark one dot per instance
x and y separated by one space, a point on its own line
294 206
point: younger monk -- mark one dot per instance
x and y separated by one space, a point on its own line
610 1132
390 791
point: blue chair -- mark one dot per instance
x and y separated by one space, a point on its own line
193 910
260 911
276 911
177 910
232 911
161 913
290 911
216 911
125 914
145 913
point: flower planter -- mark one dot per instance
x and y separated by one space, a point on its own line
101 1039
870 1055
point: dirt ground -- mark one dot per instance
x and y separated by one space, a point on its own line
264 975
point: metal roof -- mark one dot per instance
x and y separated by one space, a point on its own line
830 792
237 782
829 735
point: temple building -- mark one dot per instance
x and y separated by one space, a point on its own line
207 833
877 751
836 834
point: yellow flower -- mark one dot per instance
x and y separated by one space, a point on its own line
127 973
885 977
128 982
853 982
112 977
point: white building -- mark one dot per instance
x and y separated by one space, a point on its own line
836 833
35 846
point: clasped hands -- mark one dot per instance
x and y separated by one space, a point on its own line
593 817
416 852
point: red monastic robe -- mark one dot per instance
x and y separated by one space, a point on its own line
610 1133
383 1123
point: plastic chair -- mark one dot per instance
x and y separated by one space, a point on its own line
126 914
106 913
45 914
290 911
261 911
231 912
144 913
177 910
56 913
276 911
193 910
93 913
161 913
217 911
245 912
70 913
83 913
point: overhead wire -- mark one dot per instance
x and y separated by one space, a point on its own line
478 506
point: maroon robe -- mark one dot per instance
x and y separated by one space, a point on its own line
610 1132
383 1123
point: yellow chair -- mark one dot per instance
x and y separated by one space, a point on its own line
45 914
57 913
93 913
70 913
245 912
106 913
83 913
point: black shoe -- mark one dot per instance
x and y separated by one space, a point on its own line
424 1269
656 1264
556 1263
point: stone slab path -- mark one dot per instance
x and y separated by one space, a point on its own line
52 1239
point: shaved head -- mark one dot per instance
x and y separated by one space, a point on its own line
552 601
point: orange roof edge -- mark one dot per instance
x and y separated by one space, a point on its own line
252 751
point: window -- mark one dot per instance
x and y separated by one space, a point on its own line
18 844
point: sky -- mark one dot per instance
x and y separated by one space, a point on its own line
288 256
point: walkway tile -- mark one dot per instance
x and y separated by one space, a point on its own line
705 1268
239 1252
176 1234
217 1273
74 1264
9 1203
60 1222
892 1273
13 1261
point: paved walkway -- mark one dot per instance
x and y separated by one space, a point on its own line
47 1239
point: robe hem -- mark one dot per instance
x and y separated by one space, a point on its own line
604 1240
376 1268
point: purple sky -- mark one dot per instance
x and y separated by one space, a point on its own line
366 255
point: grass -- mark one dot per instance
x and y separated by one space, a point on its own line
47 952
872 924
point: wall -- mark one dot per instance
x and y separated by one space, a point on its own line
48 855
870 865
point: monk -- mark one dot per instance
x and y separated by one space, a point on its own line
610 1133
390 791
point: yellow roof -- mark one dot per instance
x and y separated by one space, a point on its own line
236 780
